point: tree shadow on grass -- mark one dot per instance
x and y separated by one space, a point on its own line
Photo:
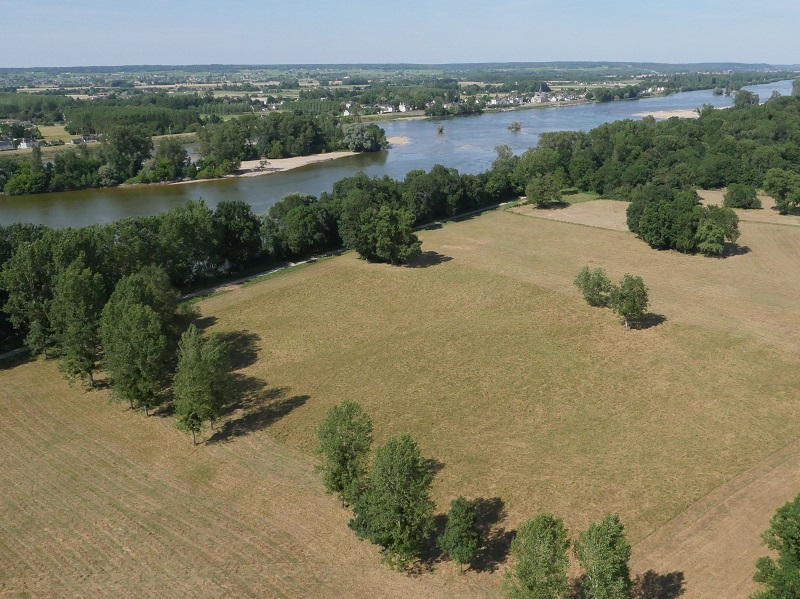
650 320
650 585
432 227
430 258
553 206
496 539
435 465
201 322
734 249
256 407
793 212
242 347
18 359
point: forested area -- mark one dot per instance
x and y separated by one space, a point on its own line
127 154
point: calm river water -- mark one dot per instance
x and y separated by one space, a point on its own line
467 144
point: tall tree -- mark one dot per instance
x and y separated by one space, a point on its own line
345 437
781 576
603 551
539 560
745 98
150 286
171 160
28 279
238 233
201 380
396 511
742 196
125 149
75 316
543 190
136 352
461 538
383 234
595 286
629 299
186 236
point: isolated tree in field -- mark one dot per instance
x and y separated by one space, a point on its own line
543 190
461 538
396 511
742 196
603 551
136 351
201 380
629 299
595 286
345 437
539 560
781 576
75 316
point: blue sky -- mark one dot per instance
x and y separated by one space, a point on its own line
115 32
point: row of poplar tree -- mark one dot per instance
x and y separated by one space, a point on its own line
389 492
142 338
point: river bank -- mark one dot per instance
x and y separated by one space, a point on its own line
467 144
255 168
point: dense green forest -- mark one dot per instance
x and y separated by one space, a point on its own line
127 153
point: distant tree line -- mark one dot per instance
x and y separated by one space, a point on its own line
126 153
685 82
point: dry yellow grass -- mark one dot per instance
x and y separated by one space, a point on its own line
490 358
99 501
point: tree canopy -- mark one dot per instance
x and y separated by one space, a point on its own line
461 538
539 560
201 382
781 577
396 511
345 437
629 299
603 551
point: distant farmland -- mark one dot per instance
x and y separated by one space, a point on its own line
486 354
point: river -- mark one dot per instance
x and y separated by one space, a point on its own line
467 144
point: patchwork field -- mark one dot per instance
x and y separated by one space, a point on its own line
487 354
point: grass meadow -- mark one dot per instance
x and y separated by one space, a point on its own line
484 351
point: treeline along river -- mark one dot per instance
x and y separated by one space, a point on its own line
467 144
